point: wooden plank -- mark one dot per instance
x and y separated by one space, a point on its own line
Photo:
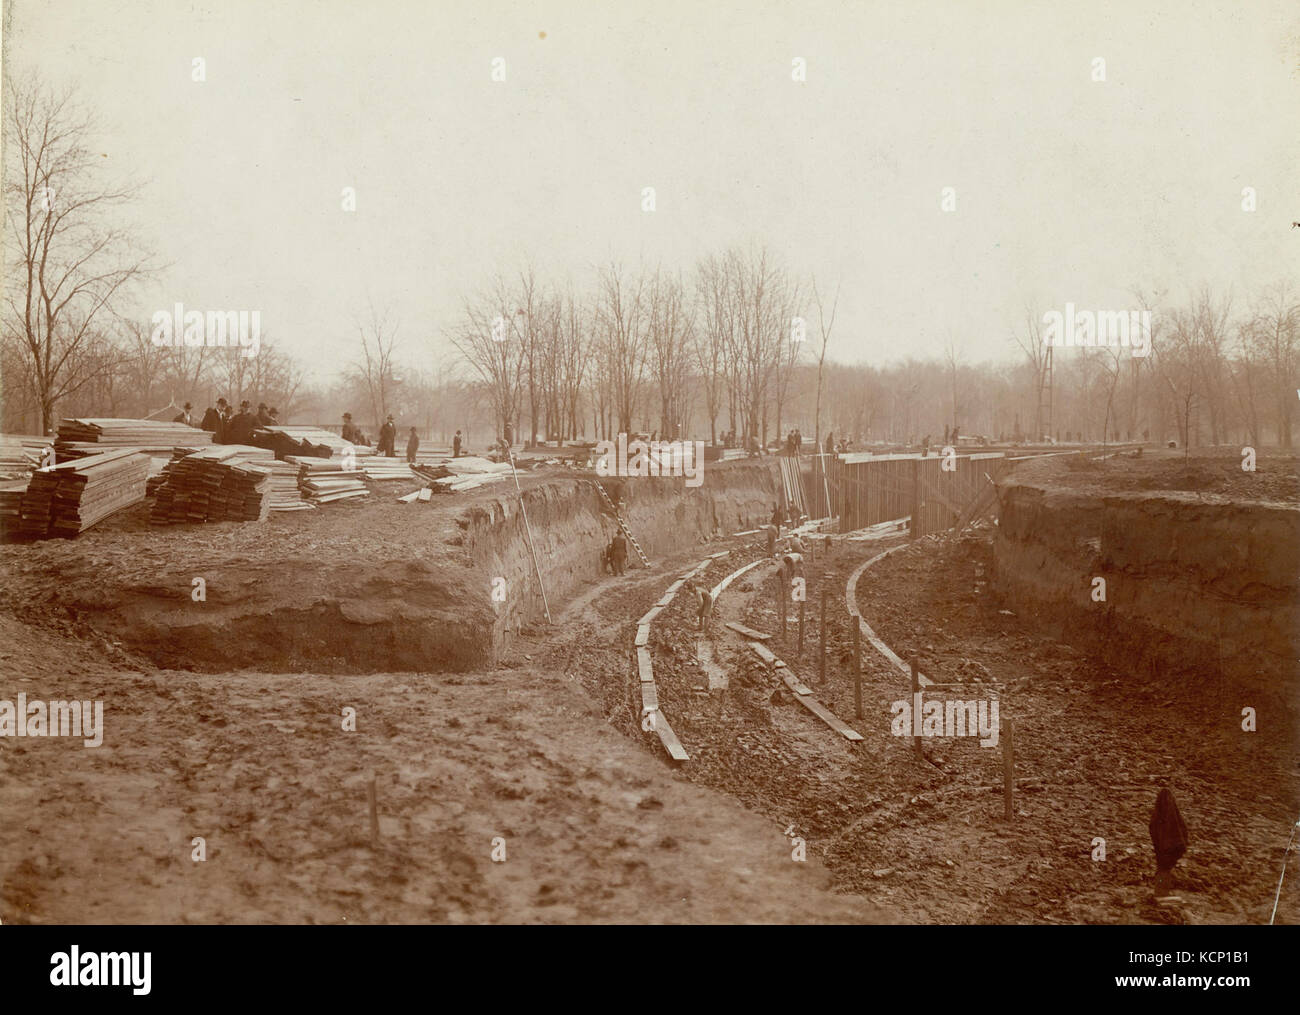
762 651
643 666
642 635
667 598
830 719
672 589
792 682
650 615
669 739
748 632
649 697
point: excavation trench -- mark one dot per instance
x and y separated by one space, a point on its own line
373 587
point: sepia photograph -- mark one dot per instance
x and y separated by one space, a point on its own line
696 464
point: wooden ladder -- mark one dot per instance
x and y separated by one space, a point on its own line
622 524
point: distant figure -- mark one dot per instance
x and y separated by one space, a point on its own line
510 435
275 416
1168 838
223 429
925 446
953 442
618 552
412 446
770 531
212 417
703 604
456 444
830 444
797 545
351 432
185 416
388 438
778 516
263 416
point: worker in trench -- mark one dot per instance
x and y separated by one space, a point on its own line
618 553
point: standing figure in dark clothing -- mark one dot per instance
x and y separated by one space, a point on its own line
351 432
263 417
388 438
778 516
212 418
618 553
185 416
456 443
1168 838
223 430
412 446
240 430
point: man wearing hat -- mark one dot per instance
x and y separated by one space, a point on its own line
241 427
185 416
212 418
263 417
388 438
351 432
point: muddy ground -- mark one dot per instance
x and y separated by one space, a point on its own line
546 751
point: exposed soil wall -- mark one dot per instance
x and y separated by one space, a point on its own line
375 586
1194 583
571 524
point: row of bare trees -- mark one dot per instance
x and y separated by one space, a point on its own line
646 347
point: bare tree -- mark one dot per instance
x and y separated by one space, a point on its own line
376 367
71 264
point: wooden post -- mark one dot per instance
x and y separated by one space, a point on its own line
781 592
857 667
374 813
821 662
916 499
802 604
1008 767
916 719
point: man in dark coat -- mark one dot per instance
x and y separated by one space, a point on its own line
412 446
223 427
618 552
241 426
185 415
456 445
351 432
263 417
388 438
212 418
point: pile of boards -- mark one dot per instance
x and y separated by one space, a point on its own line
223 483
456 474
323 480
315 435
79 437
67 499
20 454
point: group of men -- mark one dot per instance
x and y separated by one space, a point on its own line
228 426
388 439
793 442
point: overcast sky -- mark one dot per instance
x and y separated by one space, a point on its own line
1066 188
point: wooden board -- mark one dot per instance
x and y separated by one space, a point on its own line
762 651
643 666
649 697
791 681
650 615
669 739
642 635
748 632
830 719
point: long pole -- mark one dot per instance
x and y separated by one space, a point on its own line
537 568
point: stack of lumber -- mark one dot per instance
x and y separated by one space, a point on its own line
223 483
315 435
378 468
323 480
20 454
80 437
11 502
66 499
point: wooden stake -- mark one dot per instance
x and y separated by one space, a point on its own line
374 813
802 604
1008 767
821 663
857 667
916 719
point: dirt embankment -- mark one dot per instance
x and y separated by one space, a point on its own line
368 586
1193 582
